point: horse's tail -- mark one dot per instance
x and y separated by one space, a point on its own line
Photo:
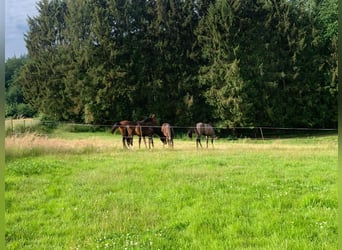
212 131
115 126
140 129
172 133
169 132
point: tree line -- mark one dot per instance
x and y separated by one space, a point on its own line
228 62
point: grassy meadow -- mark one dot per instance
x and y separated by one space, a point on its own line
83 191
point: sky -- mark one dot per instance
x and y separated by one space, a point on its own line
17 12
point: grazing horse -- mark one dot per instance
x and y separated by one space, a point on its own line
142 129
202 129
123 127
168 133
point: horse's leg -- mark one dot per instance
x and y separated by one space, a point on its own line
126 139
123 141
198 141
207 138
127 135
171 137
150 142
130 141
212 142
171 142
145 141
139 141
141 135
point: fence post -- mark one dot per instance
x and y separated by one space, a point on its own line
12 128
262 134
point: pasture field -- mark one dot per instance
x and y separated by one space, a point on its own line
83 191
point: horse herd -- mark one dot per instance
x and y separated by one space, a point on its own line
148 127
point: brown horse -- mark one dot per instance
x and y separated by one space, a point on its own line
123 127
168 133
142 129
202 129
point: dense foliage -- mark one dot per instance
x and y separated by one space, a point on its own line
233 63
15 106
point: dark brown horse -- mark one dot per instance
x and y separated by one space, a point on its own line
123 127
202 129
142 129
168 133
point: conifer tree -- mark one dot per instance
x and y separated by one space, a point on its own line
42 77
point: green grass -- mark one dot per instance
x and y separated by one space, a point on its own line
278 194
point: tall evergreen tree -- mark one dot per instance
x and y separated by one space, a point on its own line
77 60
172 70
220 37
42 77
106 88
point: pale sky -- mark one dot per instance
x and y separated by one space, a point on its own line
16 14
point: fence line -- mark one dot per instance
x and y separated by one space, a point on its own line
31 122
236 132
188 127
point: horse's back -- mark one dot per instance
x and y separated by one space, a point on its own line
205 129
144 129
119 125
151 120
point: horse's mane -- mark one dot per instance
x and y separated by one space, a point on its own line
149 120
146 120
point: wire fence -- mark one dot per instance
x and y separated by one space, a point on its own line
18 126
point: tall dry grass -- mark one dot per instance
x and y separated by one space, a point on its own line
32 144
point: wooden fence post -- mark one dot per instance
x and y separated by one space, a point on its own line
12 128
262 134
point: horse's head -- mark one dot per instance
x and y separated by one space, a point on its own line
151 119
190 132
163 139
